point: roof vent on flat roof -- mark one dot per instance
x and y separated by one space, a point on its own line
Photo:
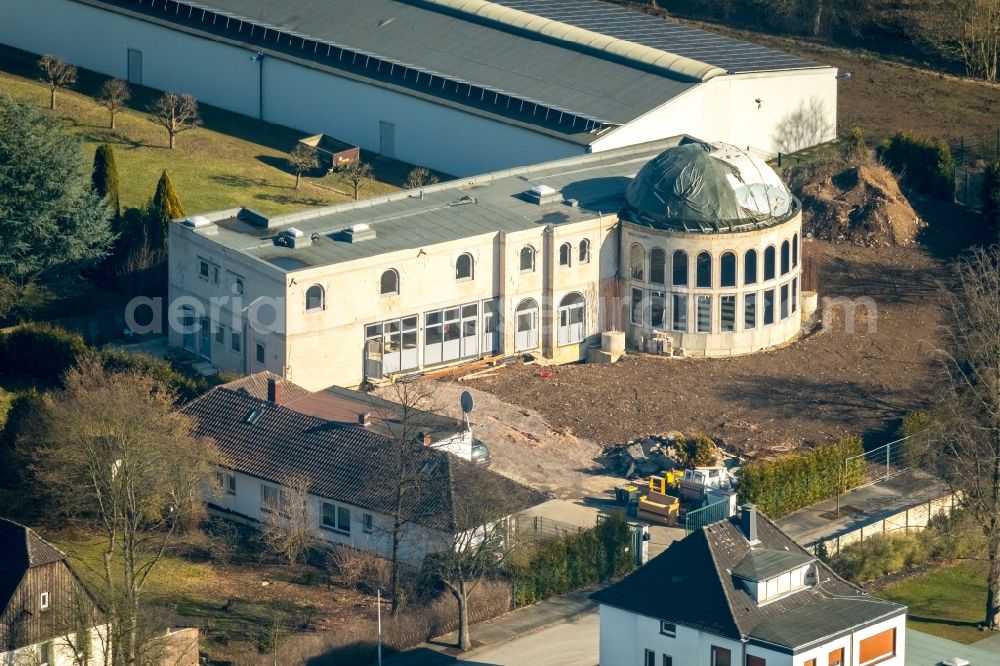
956 661
360 232
463 200
197 222
293 238
542 194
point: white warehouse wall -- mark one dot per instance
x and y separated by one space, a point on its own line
298 96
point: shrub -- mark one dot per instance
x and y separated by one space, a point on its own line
185 387
926 163
41 352
779 487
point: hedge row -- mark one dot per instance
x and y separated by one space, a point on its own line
571 562
926 163
779 487
43 353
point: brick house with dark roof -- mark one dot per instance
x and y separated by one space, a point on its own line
42 603
739 592
265 443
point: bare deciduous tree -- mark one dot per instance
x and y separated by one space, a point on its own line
965 443
57 73
114 451
419 177
176 113
290 528
966 30
357 173
302 158
115 94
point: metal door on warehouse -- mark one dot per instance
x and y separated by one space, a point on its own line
135 66
386 139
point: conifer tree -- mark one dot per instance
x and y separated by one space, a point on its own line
105 178
164 207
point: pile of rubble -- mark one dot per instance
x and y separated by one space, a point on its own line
643 456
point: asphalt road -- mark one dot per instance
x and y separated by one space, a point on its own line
571 643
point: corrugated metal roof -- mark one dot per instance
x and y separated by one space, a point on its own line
406 221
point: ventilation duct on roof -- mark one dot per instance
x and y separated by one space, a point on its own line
360 232
293 238
543 194
197 222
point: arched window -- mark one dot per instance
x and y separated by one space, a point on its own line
795 250
784 258
704 271
572 322
769 263
680 268
585 251
750 267
657 266
637 260
727 270
565 254
527 258
464 267
314 298
526 325
390 282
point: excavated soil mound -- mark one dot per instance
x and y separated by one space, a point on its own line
862 205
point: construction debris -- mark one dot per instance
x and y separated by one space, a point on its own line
644 456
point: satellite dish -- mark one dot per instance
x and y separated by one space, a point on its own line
466 402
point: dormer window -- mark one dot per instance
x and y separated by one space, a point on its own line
767 575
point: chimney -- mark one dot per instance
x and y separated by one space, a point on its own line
364 419
748 522
425 438
274 391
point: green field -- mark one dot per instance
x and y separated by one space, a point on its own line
230 161
948 602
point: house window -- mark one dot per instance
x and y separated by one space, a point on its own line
769 307
314 298
749 312
809 662
272 499
237 283
585 251
727 314
668 629
795 294
784 258
236 342
836 658
704 269
668 660
337 518
203 269
680 313
878 647
215 274
367 523
657 266
220 334
680 276
259 353
565 254
649 659
464 267
721 657
756 661
389 284
750 267
727 270
43 600
704 315
795 250
769 263
637 260
637 306
45 653
227 482
572 327
527 259
657 309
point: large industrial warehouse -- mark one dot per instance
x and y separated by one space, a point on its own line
461 86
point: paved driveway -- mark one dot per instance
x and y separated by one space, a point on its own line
570 643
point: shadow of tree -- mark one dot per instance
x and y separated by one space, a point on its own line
236 180
292 198
804 127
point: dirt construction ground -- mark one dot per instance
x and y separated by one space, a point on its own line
827 384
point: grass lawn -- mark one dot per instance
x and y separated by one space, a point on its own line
948 602
230 161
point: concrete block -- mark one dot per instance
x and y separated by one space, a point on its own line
595 355
613 342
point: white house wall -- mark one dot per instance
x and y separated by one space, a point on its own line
294 95
62 653
797 109
625 637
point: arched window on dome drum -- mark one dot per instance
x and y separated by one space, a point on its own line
784 258
527 259
727 270
769 263
314 298
750 267
680 276
389 283
704 270
637 261
585 251
795 250
657 266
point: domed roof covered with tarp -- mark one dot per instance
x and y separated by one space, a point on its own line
698 187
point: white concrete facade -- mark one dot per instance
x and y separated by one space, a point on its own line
796 108
626 636
59 650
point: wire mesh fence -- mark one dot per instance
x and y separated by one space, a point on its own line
879 463
538 529
972 154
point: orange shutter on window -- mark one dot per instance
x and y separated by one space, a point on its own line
756 661
811 662
837 657
877 646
